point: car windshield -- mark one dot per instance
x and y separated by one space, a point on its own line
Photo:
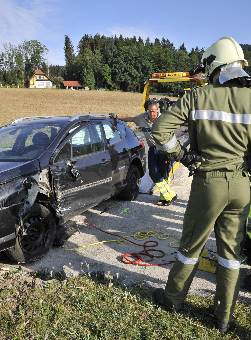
26 141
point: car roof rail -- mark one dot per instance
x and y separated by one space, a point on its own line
34 117
89 116
81 117
20 120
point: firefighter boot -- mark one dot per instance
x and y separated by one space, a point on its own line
160 299
167 196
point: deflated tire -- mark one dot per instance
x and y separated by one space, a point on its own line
131 191
35 237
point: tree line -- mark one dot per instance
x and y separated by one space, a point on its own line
18 62
119 63
100 62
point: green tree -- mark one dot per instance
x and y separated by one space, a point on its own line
88 78
18 63
34 54
85 42
56 71
125 74
125 63
71 67
86 60
68 51
12 65
107 76
58 81
182 61
195 56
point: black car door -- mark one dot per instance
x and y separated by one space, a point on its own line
82 171
119 151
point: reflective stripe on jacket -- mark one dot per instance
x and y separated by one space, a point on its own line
219 119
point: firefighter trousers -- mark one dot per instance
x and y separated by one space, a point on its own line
218 201
159 170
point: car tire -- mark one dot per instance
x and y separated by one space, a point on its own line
36 237
131 191
64 232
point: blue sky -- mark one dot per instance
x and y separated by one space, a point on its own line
196 23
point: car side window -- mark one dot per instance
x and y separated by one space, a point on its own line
111 134
41 135
64 153
78 145
97 138
81 142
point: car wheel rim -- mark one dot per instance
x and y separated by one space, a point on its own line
34 234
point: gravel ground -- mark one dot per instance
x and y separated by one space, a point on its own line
90 250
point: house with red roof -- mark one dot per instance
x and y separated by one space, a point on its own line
40 80
72 84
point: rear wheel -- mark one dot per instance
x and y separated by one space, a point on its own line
35 237
131 191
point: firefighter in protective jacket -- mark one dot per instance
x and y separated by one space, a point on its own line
219 118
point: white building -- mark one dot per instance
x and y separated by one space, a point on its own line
40 80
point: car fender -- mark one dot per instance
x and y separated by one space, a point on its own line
16 197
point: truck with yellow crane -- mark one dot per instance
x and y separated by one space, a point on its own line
169 77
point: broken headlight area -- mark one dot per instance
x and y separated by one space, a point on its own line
13 193
12 199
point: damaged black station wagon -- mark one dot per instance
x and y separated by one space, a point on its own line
52 168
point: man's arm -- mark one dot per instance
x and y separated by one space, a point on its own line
138 120
170 120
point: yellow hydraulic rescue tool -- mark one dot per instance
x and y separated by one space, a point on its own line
168 77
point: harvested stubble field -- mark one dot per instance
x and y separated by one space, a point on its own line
17 103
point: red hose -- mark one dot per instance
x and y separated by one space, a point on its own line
149 247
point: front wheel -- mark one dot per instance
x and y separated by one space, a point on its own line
35 237
131 191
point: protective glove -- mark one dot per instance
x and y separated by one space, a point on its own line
146 129
190 159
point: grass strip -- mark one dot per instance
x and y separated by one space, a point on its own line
88 308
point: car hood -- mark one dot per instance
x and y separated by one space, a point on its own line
11 170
